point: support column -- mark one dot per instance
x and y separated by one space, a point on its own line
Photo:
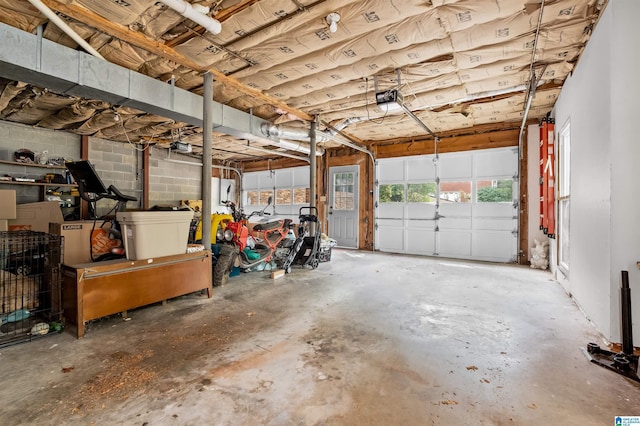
146 169
207 138
312 164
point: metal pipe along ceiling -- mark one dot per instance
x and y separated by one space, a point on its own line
195 15
64 27
532 82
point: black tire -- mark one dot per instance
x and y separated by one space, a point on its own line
224 264
314 263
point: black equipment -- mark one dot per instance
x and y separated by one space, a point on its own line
625 362
92 189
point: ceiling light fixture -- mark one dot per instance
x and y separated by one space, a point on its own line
332 19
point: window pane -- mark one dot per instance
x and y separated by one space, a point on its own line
495 191
264 197
283 196
252 198
421 192
455 192
564 233
301 196
391 193
565 164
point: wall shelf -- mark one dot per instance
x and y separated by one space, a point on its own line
42 166
12 182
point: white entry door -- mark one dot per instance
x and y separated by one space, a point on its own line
460 205
343 205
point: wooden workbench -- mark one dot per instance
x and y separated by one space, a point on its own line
94 290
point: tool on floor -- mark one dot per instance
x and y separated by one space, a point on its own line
625 362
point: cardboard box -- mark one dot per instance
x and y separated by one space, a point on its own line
36 216
76 247
7 207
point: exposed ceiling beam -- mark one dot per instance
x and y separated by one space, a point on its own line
98 22
499 139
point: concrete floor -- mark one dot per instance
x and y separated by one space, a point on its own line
366 339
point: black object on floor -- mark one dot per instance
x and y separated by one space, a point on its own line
625 362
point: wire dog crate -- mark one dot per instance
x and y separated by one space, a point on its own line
30 285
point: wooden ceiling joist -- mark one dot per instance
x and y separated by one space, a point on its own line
499 139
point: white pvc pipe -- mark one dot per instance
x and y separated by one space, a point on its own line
189 12
64 27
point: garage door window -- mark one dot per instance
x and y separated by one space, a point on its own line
284 196
421 192
264 197
391 193
252 198
495 191
301 196
455 192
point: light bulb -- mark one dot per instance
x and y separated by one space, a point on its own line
332 19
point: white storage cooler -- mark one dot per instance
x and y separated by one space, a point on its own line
154 233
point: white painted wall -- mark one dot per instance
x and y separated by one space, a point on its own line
625 153
598 100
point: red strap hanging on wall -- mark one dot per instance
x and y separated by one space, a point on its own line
551 181
547 180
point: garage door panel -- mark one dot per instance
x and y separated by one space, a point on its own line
421 211
494 209
421 241
455 209
456 166
493 245
391 211
454 243
391 239
287 210
489 164
391 170
455 223
421 169
480 224
394 223
265 180
420 224
301 176
284 178
251 181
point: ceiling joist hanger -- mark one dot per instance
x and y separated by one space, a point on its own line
118 31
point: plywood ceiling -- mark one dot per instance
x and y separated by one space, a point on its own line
462 66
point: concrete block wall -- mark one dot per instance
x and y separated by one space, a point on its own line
18 136
118 164
173 177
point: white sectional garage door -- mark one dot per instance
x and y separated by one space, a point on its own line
459 205
288 188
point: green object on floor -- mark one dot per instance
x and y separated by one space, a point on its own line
251 255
